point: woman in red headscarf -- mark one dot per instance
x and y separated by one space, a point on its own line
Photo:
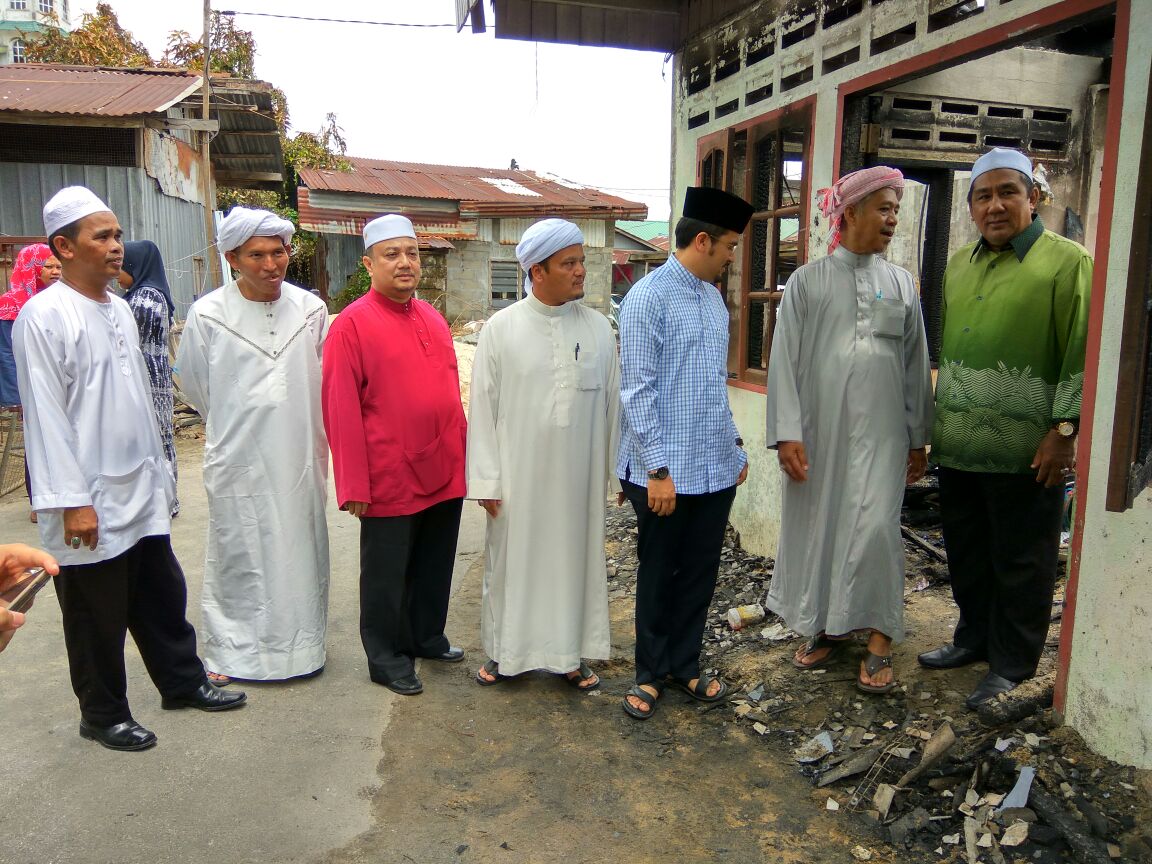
34 270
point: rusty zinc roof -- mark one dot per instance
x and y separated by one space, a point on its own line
92 91
479 191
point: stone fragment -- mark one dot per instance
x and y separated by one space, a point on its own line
814 749
1015 834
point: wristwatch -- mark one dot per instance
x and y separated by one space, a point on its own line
660 473
1065 428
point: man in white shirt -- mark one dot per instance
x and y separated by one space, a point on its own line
541 461
100 484
249 362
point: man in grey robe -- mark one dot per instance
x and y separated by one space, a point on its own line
849 412
542 435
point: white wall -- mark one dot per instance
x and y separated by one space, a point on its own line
1109 684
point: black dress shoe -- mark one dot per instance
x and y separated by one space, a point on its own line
206 697
409 685
991 686
452 655
129 735
949 657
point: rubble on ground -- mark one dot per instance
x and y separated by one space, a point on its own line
922 777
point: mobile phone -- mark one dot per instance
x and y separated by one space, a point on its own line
25 590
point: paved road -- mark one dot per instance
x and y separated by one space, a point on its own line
286 778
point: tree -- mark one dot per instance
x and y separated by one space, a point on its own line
98 41
233 51
101 41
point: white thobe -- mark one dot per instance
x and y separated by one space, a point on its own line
252 369
542 435
848 376
90 434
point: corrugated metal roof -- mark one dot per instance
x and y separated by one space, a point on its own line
342 220
647 229
92 91
480 191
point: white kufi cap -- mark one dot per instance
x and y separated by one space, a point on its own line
1002 157
242 224
69 205
387 227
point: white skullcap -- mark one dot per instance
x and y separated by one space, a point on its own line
543 240
1001 157
387 227
69 205
242 224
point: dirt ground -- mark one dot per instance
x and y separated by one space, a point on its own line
530 770
526 771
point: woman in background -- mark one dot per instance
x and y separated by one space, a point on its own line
34 270
146 290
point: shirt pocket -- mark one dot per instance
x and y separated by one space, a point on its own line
431 466
121 500
588 372
888 318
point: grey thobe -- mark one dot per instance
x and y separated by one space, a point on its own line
849 377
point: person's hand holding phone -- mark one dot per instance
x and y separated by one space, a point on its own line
16 560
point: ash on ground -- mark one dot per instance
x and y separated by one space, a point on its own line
921 777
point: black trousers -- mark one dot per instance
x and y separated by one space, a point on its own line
140 591
405 582
1002 534
679 558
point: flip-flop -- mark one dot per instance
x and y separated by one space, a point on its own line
585 673
645 697
493 669
218 679
700 691
817 643
873 663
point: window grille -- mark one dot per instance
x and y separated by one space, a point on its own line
506 280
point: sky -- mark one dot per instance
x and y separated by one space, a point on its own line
595 116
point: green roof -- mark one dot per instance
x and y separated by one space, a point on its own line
645 230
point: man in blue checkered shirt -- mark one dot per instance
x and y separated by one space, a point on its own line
681 457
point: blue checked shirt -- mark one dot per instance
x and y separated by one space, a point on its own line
673 376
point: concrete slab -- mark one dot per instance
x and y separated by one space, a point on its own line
286 778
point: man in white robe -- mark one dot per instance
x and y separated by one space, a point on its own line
541 455
249 362
850 412
100 485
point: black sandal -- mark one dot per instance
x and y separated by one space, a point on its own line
493 669
584 673
645 697
700 691
818 643
873 663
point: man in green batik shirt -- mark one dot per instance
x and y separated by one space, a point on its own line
1011 372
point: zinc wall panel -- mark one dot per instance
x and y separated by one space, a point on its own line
145 213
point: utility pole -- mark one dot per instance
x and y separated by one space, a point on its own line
207 187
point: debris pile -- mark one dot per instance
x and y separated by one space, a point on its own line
914 770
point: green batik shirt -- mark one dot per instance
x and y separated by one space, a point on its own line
1014 329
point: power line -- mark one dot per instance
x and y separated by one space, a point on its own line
230 13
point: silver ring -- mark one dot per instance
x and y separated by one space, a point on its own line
75 541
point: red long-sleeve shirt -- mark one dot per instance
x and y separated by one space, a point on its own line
391 395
